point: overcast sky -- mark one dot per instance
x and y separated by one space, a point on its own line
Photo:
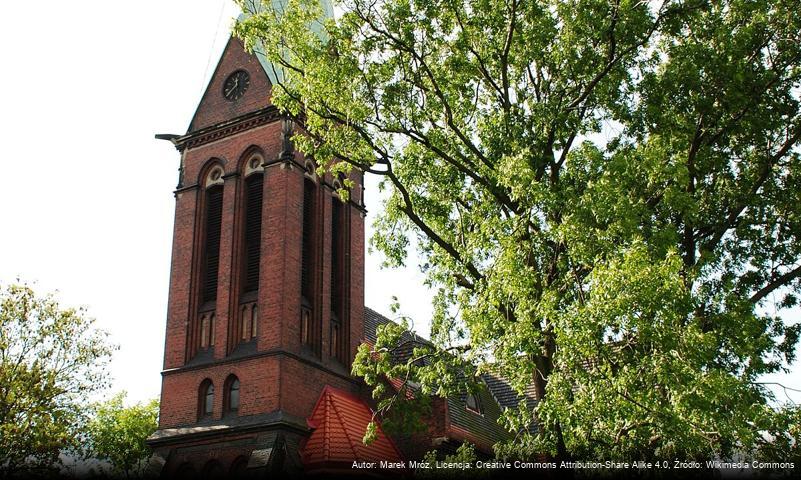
86 192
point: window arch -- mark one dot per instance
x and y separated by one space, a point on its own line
210 209
239 467
213 203
185 472
213 470
251 235
250 195
231 398
206 399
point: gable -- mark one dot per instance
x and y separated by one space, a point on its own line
214 108
339 422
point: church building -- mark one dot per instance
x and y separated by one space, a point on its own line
266 306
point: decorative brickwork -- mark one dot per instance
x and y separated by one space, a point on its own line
255 332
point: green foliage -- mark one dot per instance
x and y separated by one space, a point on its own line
401 400
465 454
117 434
51 361
605 194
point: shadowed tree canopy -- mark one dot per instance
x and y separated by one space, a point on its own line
52 360
605 193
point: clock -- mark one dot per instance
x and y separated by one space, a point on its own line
235 85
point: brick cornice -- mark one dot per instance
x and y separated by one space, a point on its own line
225 129
257 423
267 353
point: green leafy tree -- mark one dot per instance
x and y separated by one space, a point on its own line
464 455
51 361
605 194
117 434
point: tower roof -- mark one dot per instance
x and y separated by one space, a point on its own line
277 6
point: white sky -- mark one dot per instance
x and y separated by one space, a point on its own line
86 192
86 196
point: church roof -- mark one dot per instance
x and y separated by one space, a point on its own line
339 422
481 429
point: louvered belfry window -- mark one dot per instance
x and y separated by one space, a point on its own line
252 234
214 200
306 280
337 279
310 330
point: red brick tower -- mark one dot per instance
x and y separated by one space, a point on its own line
266 302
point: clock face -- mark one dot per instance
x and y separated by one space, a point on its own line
235 85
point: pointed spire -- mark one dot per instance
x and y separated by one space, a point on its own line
274 73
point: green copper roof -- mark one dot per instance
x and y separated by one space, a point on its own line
274 73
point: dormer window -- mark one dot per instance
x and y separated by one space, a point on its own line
472 404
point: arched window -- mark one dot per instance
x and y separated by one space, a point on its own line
185 472
310 329
213 226
248 320
211 200
251 237
250 215
212 470
205 329
206 399
244 324
231 394
339 281
308 250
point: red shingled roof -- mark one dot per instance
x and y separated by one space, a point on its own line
339 421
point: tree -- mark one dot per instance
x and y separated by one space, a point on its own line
606 196
51 361
117 434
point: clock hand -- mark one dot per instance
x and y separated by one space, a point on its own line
233 87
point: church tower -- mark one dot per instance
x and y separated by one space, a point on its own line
266 304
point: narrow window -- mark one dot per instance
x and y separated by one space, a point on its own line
254 320
211 330
252 234
211 251
308 240
206 400
232 395
305 321
309 328
337 278
335 340
243 319
204 331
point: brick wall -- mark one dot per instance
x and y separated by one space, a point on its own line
258 383
276 373
213 107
